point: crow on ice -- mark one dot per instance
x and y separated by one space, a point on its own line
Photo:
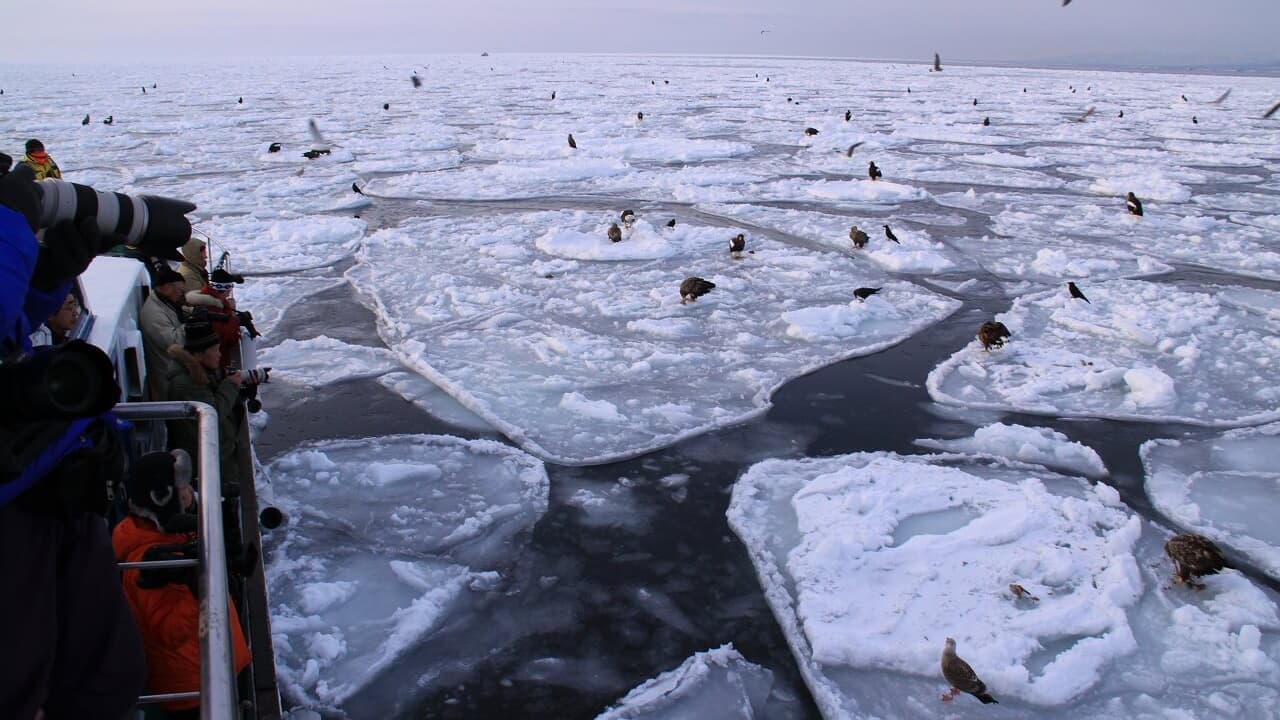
888 233
572 143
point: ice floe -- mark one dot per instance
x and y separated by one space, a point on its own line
717 683
1036 445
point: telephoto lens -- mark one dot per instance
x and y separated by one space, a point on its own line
74 380
156 224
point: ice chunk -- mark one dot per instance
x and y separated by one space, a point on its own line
594 361
718 683
323 360
1139 350
289 243
269 298
870 560
1040 446
1225 487
387 539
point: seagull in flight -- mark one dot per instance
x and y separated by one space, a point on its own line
765 31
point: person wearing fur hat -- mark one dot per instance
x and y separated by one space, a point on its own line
40 161
195 376
215 297
161 323
194 267
165 602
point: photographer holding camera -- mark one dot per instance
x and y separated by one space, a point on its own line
71 645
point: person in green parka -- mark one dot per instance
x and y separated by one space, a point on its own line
195 377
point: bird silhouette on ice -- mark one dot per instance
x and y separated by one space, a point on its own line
962 677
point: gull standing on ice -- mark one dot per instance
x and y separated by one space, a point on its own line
1193 556
961 676
693 288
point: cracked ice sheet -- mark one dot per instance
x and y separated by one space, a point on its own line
322 360
600 361
917 253
1225 487
268 298
1041 446
387 539
283 243
718 683
1141 351
870 560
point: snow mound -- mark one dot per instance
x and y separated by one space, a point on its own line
1035 445
717 683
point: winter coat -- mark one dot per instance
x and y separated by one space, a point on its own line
161 325
192 268
168 616
46 169
189 381
228 331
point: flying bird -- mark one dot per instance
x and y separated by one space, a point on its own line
85 121
1021 593
1090 112
356 189
888 232
962 677
765 31
849 152
693 288
1271 112
628 218
1132 202
992 334
863 293
937 63
1066 3
737 244
1075 292
572 143
873 172
858 237
318 144
1193 556
1221 98
417 81
615 233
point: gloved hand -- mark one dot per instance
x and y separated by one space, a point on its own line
67 249
18 192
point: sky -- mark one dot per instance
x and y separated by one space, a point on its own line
1086 32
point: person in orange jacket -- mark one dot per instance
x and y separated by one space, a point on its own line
165 602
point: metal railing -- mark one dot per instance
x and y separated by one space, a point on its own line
217 673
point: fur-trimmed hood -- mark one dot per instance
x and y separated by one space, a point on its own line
199 298
189 361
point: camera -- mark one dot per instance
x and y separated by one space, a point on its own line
65 382
156 224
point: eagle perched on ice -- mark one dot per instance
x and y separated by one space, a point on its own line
1193 556
693 288
992 334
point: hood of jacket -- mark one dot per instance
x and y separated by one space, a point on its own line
188 362
191 253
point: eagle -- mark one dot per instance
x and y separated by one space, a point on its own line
986 122
615 233
858 237
863 293
273 147
417 81
873 172
962 677
992 334
85 121
737 244
810 131
640 115
110 119
1193 556
1132 202
693 288
671 224
356 189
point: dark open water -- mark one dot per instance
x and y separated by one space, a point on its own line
570 646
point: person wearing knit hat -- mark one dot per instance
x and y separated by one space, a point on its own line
161 323
195 376
165 601
40 161
215 297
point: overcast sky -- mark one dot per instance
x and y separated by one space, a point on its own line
1159 32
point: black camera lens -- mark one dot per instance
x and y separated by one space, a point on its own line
69 381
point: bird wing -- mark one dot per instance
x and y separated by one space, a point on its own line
1272 111
1221 97
316 137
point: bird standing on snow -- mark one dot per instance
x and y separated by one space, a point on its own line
356 189
937 63
863 293
1193 556
671 224
848 115
693 288
810 131
1075 292
737 244
858 237
888 232
992 334
962 677
417 81
873 172
628 218
85 121
986 122
1132 202
110 119
640 115
615 232
572 143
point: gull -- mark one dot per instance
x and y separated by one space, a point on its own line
849 152
356 189
962 677
317 140
1090 112
1272 111
1221 98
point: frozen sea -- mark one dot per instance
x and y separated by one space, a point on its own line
507 449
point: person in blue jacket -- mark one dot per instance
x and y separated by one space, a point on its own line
71 646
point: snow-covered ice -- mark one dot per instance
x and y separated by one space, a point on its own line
718 683
1136 351
1039 446
580 350
387 538
1225 487
870 560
